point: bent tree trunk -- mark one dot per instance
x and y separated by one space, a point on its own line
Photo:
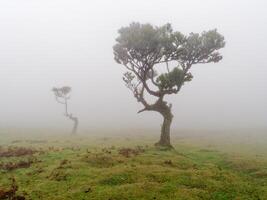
165 111
75 125
165 140
165 131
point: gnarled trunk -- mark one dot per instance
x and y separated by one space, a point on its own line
74 119
165 131
165 111
75 126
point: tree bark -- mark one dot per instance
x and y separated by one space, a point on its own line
75 126
74 119
165 111
165 140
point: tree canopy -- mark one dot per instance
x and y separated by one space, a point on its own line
141 47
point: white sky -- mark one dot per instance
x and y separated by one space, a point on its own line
46 43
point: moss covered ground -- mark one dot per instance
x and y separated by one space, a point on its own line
129 167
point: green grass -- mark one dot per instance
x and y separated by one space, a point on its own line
84 167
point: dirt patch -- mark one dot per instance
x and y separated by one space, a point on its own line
260 174
16 151
168 162
128 152
9 166
101 160
10 193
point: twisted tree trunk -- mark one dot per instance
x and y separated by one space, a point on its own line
74 119
165 111
75 126
165 131
165 140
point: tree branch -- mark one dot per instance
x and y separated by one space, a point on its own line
142 110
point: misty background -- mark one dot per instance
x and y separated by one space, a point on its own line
69 42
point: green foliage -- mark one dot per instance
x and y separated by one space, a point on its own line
139 41
141 47
174 78
202 48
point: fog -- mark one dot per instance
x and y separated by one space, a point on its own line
65 42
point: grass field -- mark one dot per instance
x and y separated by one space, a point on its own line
126 166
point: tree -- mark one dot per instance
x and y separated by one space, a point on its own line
158 60
62 96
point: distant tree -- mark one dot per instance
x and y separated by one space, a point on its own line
62 96
158 60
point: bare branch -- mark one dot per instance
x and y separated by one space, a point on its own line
167 65
142 110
